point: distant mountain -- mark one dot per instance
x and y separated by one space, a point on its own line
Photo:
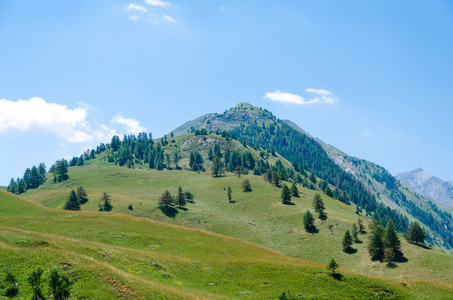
428 185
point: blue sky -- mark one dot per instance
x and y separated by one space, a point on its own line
372 78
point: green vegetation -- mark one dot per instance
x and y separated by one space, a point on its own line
119 256
257 216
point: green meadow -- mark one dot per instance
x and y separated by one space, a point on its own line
258 216
118 256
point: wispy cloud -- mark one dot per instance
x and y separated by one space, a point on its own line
170 19
132 126
134 18
136 7
157 3
321 96
73 125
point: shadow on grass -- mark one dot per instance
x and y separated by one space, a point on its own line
288 203
232 201
169 211
337 276
350 250
183 208
311 229
400 259
422 246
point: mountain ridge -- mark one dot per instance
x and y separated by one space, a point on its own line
428 185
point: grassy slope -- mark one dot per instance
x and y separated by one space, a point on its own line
258 217
113 256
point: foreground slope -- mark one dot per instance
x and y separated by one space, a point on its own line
257 216
121 257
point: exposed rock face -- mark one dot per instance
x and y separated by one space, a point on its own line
428 185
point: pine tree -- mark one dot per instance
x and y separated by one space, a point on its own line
58 283
82 195
318 204
391 239
230 196
294 190
217 167
166 200
107 205
72 203
328 191
347 241
181 199
286 194
332 266
416 234
308 220
35 281
376 245
246 186
389 256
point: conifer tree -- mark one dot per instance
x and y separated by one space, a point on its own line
391 239
332 266
166 200
347 241
246 186
308 220
294 190
82 195
230 196
72 203
376 245
286 194
107 205
318 204
181 199
416 234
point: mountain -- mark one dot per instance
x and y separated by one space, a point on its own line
367 185
428 185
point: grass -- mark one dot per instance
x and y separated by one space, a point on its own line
117 256
257 217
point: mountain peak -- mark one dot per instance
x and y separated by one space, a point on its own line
428 185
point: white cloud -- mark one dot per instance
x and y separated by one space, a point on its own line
157 3
170 19
36 116
321 96
325 96
287 98
134 18
132 126
134 6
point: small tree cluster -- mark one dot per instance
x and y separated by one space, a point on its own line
217 167
294 190
75 200
167 200
196 161
32 179
384 243
58 283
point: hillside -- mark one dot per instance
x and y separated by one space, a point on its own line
428 185
356 178
113 256
258 216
